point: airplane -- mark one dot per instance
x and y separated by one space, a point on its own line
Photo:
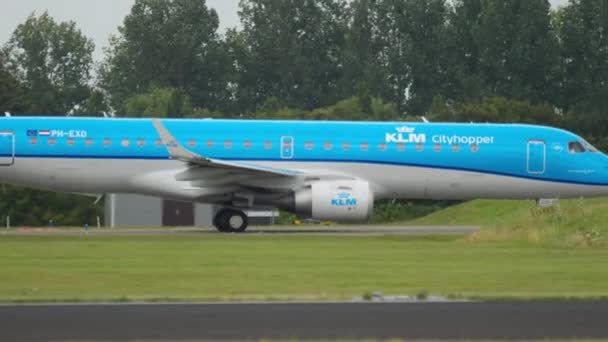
318 169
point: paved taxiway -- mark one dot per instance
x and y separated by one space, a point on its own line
456 320
257 230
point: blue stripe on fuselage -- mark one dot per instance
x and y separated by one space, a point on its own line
501 149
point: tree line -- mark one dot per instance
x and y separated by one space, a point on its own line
462 60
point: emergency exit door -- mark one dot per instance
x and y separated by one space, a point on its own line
286 147
536 157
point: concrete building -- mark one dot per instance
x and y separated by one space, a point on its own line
128 210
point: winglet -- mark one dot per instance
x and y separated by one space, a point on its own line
176 151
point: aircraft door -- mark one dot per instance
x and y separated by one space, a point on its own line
286 147
7 148
536 157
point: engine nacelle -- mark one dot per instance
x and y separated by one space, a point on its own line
341 201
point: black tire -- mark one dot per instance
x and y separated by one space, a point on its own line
235 221
218 220
231 221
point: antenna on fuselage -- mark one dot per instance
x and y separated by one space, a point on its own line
7 114
424 119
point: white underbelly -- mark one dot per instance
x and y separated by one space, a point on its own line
388 181
398 181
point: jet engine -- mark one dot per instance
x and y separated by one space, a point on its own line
341 201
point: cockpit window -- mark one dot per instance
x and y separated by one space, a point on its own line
575 147
589 147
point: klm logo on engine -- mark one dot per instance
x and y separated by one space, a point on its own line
343 199
405 134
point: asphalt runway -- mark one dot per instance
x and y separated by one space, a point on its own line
455 320
258 230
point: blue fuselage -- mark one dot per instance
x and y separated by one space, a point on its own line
525 152
514 150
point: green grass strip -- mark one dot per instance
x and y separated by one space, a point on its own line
233 267
573 223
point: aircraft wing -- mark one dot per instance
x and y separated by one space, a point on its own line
178 152
224 182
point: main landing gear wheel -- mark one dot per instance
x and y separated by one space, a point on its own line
230 221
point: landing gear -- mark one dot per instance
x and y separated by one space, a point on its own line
230 221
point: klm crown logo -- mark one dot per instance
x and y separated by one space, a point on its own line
343 195
405 129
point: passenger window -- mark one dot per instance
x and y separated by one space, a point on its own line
455 148
364 146
247 144
88 141
308 145
437 147
267 144
210 143
474 148
141 142
125 142
158 143
575 147
33 141
228 144
192 143
401 147
382 147
52 141
327 146
107 142
419 147
345 146
70 141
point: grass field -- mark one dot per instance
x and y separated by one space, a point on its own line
574 223
232 267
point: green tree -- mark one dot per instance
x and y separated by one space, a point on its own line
11 92
422 24
465 72
28 207
348 109
397 50
53 63
583 32
159 102
45 69
168 43
392 45
95 105
495 110
505 48
293 50
364 72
